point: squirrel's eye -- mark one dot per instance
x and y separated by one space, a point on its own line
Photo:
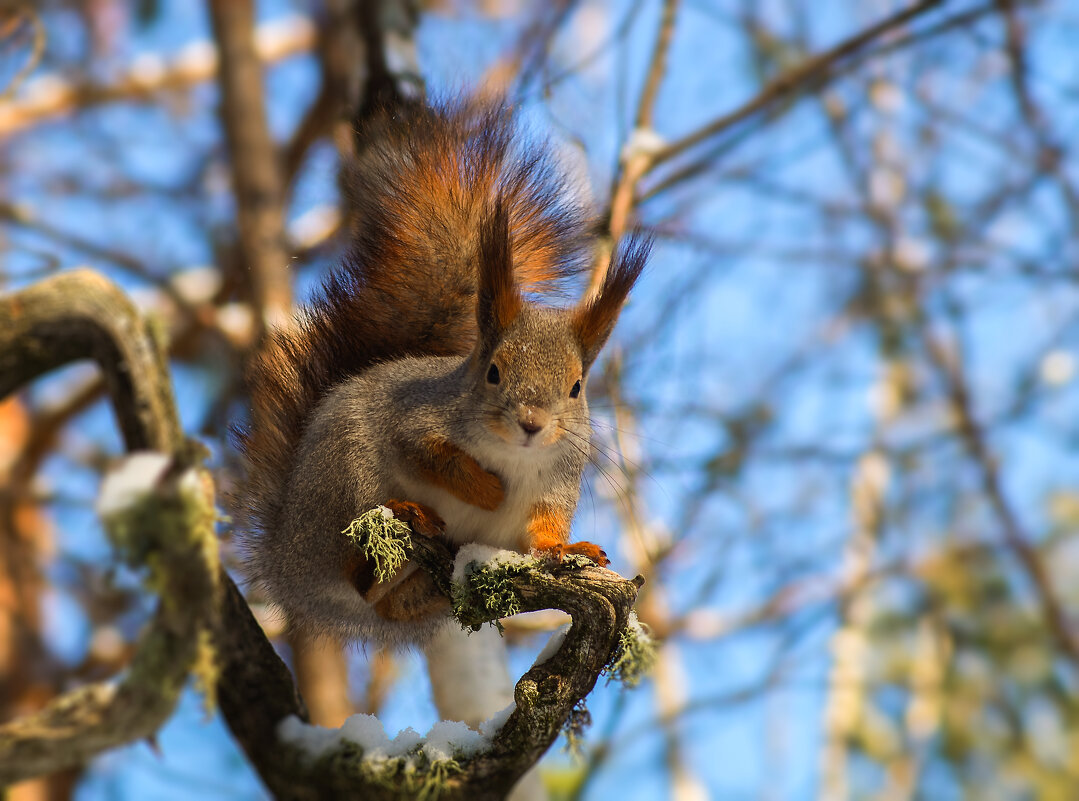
573 393
492 374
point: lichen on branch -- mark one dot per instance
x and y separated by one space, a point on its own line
166 527
383 539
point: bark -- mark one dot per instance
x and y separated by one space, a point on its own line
470 682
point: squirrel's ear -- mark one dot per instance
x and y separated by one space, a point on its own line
499 297
595 316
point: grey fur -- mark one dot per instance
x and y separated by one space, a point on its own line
350 460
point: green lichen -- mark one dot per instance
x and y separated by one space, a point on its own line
162 523
411 775
436 778
576 560
382 538
396 773
634 656
487 592
168 531
206 671
579 719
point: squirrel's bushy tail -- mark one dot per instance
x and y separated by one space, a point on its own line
422 182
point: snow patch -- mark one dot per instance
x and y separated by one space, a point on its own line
133 479
642 142
449 739
553 644
312 740
637 627
408 739
237 322
368 733
486 556
314 226
198 284
490 727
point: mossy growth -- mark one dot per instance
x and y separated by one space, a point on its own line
579 719
438 775
575 560
634 656
206 671
165 525
383 539
486 591
411 776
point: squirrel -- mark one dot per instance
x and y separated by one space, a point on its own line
421 378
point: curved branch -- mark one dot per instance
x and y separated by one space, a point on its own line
82 315
599 602
256 693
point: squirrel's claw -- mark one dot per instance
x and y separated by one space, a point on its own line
588 550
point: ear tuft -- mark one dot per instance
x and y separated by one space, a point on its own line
499 296
594 318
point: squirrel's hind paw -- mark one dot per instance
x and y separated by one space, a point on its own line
414 599
588 550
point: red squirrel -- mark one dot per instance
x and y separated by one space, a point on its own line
422 380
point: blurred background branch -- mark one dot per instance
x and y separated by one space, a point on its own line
836 431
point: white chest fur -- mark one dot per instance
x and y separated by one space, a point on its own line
526 479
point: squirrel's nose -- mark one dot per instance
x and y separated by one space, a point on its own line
531 419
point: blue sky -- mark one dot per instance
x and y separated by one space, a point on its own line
748 313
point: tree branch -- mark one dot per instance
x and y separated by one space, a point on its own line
81 315
50 96
256 692
794 80
256 174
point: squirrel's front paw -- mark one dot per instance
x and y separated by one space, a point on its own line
423 519
588 550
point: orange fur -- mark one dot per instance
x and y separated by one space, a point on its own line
594 319
422 184
422 519
415 598
548 535
500 299
588 550
548 527
442 464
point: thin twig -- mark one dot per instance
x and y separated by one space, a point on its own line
1016 539
794 80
